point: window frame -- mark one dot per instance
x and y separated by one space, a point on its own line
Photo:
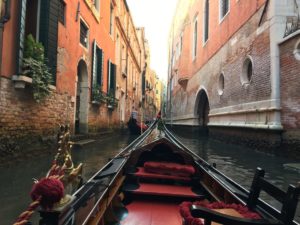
206 22
221 16
82 21
111 18
195 38
96 4
62 3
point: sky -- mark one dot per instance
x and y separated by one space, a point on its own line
156 16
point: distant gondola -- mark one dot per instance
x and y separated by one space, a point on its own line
157 180
135 127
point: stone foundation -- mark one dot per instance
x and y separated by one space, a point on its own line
286 144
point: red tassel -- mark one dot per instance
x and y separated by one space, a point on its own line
50 190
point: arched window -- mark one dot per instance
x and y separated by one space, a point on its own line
297 50
247 72
206 21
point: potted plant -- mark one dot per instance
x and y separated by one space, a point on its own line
34 67
111 101
98 96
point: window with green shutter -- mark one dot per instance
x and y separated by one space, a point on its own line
111 78
97 69
21 35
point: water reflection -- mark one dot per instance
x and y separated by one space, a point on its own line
16 182
237 162
240 163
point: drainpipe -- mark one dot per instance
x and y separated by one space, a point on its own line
277 28
5 18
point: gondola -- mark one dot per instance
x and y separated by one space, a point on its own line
157 180
136 127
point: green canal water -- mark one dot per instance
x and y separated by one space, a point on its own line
239 163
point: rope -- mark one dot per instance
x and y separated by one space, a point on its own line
56 172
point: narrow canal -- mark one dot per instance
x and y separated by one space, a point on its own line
236 162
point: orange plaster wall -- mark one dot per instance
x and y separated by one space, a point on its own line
71 51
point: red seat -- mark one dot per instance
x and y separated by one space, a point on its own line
144 174
168 168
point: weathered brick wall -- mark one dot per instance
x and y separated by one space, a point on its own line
248 41
258 48
21 117
102 118
290 83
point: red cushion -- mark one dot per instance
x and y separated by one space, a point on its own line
185 212
169 168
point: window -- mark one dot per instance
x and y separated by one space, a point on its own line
221 84
247 72
177 51
61 11
111 71
97 5
224 8
97 65
206 21
195 38
111 18
297 51
84 34
181 43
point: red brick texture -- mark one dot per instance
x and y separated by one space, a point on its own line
21 116
290 84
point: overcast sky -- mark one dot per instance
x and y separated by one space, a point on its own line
156 17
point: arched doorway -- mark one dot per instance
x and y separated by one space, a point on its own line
82 103
202 109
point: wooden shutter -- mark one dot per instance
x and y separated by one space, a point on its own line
113 68
21 35
49 32
109 77
111 71
95 65
99 66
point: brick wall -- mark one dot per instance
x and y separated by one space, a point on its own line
21 117
290 84
229 60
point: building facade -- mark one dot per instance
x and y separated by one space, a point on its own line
94 57
224 67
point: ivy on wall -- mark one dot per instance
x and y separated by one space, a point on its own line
34 66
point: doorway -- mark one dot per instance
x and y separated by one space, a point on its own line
202 109
82 103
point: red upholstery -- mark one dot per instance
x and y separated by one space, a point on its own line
166 190
185 212
168 168
144 174
152 213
